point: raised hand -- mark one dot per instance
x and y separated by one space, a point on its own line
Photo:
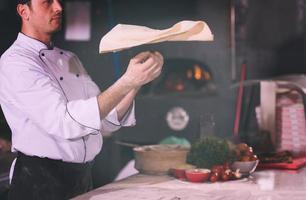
143 68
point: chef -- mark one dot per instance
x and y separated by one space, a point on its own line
56 113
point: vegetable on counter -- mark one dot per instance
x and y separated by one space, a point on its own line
210 151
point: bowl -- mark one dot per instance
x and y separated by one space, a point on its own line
245 167
158 159
179 171
197 175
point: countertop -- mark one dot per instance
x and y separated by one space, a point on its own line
261 185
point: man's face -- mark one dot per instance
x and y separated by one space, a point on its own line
45 15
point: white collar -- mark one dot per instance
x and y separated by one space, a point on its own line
32 43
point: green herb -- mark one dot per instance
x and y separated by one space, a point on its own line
209 151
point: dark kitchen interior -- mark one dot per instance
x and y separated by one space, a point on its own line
268 38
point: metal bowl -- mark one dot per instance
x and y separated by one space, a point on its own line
245 167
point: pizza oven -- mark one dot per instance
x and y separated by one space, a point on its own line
183 77
173 104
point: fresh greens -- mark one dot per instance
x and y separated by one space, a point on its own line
209 151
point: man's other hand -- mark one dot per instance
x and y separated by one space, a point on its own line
143 68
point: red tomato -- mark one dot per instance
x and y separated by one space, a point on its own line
242 147
217 169
249 152
253 158
225 177
213 178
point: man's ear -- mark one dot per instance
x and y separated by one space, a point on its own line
23 10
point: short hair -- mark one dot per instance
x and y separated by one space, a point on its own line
22 1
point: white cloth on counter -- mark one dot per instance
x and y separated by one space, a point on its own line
50 103
125 36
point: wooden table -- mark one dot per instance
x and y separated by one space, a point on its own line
262 185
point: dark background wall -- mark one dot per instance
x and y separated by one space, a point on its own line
270 38
275 38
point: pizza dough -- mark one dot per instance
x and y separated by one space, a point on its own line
124 36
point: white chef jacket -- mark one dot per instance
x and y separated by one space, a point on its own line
50 103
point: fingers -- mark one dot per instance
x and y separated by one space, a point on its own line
141 57
155 59
144 57
144 67
160 57
151 61
156 67
154 71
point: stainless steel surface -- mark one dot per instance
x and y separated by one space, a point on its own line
262 185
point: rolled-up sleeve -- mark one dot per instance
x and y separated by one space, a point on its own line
33 91
111 122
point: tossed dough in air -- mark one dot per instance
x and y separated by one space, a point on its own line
124 36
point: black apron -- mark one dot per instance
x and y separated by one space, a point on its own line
36 178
